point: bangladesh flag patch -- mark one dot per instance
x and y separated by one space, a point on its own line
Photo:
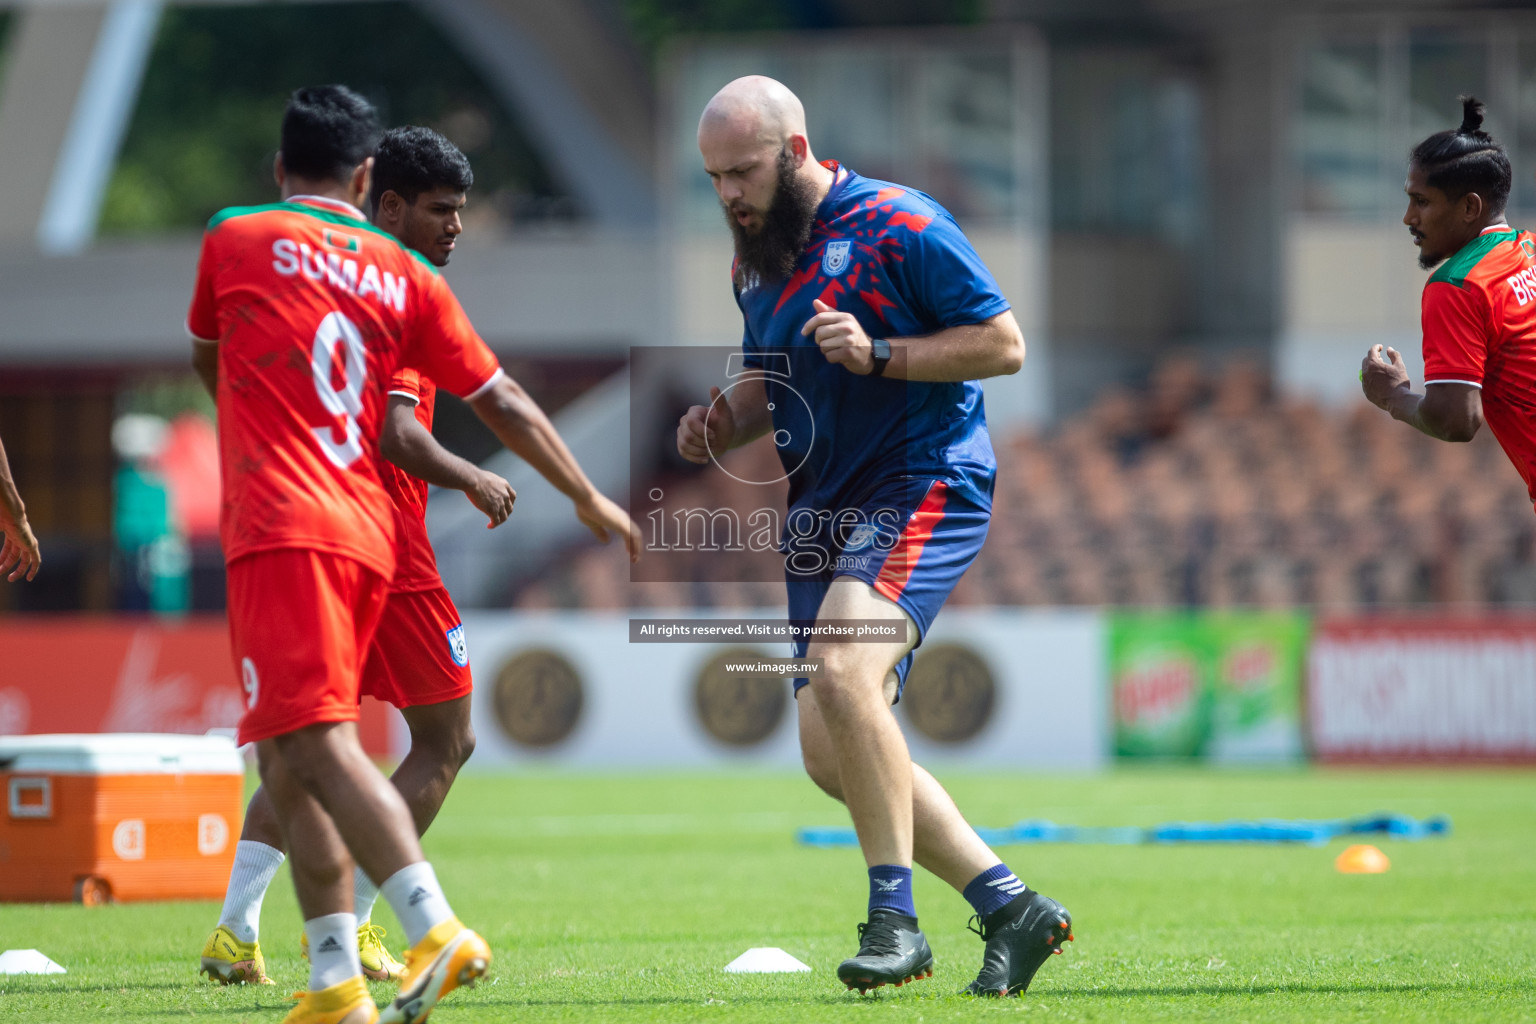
342 241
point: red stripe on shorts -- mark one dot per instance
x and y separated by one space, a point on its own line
903 558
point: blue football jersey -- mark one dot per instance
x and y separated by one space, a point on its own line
896 260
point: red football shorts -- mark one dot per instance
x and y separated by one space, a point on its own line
301 622
419 655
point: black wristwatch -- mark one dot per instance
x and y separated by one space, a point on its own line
880 349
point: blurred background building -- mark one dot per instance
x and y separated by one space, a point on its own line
1193 205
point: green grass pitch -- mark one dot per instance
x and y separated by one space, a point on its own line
621 899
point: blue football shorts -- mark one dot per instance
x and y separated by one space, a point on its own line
910 539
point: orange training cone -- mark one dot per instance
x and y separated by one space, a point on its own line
1362 860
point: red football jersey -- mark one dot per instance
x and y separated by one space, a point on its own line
415 562
1480 328
314 309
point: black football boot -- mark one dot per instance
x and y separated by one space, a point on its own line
891 952
1020 937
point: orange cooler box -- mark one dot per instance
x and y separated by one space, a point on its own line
125 816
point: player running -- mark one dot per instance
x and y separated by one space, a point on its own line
302 312
873 302
19 555
419 661
1479 307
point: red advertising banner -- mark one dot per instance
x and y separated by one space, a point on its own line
1407 688
130 675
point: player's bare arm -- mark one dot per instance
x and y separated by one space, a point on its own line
1447 411
992 348
519 423
1458 186
411 446
725 423
19 556
205 361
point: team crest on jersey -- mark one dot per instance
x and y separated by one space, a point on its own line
458 647
835 260
1529 248
342 241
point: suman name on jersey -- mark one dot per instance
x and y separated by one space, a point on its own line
292 257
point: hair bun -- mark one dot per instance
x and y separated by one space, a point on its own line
1472 110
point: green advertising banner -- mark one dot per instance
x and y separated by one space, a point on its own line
1159 691
1258 663
1224 686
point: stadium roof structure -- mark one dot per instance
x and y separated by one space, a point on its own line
73 71
69 81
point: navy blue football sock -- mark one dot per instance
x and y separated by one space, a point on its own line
993 890
890 888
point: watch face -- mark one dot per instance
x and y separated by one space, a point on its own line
880 354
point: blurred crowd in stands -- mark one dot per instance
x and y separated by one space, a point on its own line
1201 489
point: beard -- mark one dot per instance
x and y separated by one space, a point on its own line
769 254
1429 260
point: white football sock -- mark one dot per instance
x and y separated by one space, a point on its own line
364 895
256 865
417 900
332 950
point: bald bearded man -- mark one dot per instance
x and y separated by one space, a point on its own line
864 299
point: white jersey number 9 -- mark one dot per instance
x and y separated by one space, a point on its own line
347 402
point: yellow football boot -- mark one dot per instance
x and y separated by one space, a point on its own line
449 957
346 1003
378 963
229 961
